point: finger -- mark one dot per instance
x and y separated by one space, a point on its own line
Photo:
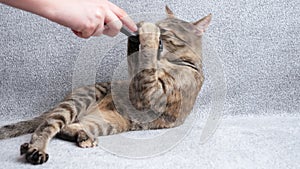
79 34
126 20
95 30
117 10
99 29
114 26
86 33
89 31
129 23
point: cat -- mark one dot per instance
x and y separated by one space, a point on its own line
160 93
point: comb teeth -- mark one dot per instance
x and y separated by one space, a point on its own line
134 39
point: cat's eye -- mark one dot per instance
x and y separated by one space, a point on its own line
174 41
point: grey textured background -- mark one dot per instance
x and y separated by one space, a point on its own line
257 42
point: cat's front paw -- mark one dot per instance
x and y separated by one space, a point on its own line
33 155
149 33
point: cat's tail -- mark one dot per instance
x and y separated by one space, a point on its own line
20 128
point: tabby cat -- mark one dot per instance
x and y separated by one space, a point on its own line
161 92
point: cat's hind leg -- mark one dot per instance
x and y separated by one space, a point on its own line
85 140
70 132
76 133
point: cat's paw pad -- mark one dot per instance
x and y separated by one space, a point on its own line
84 141
148 32
147 27
33 155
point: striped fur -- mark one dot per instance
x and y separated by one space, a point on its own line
162 92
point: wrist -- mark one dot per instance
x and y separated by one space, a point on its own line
44 8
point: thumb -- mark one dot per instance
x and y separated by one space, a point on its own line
113 24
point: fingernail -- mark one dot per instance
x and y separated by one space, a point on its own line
135 28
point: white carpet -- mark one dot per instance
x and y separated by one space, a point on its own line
239 142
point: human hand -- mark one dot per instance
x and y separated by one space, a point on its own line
86 18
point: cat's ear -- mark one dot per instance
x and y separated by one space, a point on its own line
169 12
202 24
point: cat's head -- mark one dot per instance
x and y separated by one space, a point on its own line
177 34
